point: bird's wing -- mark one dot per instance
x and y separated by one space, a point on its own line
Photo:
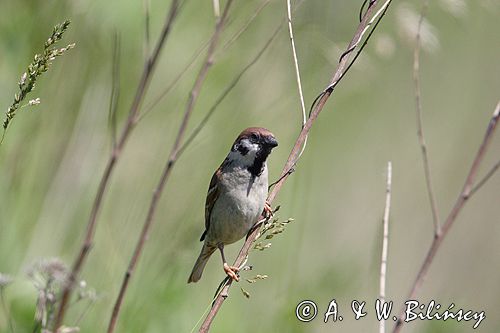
212 195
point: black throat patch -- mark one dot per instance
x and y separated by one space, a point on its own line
257 167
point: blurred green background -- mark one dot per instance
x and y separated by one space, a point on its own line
54 155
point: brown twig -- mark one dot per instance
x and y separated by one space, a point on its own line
292 158
115 88
147 30
235 81
420 130
172 158
486 177
465 194
385 240
195 56
172 84
226 92
245 26
148 70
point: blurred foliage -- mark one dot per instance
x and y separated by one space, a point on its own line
53 159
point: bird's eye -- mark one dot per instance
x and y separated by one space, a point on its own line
254 137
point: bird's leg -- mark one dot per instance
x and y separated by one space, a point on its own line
268 211
231 271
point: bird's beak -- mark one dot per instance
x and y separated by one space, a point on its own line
271 141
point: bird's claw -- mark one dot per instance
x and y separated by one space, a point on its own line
232 272
268 211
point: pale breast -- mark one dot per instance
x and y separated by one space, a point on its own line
240 202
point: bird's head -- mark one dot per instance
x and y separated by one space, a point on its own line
253 146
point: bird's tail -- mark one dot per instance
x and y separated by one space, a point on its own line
206 252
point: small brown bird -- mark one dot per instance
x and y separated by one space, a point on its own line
236 196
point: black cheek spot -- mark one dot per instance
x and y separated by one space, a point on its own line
243 150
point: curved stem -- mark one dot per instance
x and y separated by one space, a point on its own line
294 154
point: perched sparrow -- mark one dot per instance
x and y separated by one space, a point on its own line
236 196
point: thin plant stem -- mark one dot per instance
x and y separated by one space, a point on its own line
147 33
84 312
385 241
292 158
115 87
174 82
216 5
462 199
245 26
149 66
226 92
420 129
219 291
172 158
193 59
297 71
486 177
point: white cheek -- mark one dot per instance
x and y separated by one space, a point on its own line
253 148
249 157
